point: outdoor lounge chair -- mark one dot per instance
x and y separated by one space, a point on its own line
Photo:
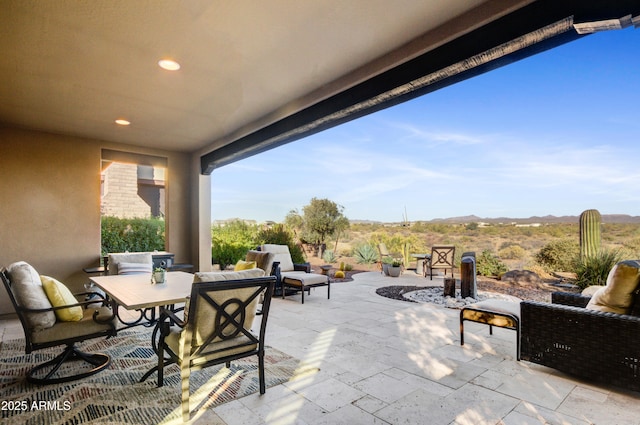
216 327
294 276
581 336
60 321
442 258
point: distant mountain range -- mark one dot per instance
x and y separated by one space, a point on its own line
547 219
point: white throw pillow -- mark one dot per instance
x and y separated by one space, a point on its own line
135 268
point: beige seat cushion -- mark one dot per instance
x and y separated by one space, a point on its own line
617 296
70 330
27 288
205 313
214 351
281 254
203 323
221 276
302 278
493 312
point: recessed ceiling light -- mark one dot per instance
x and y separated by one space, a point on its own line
169 64
122 122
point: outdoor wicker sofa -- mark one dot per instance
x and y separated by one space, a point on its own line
593 345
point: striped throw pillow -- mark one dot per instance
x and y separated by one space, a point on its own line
134 268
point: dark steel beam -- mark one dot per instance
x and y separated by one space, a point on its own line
381 92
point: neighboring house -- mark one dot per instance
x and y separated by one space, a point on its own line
132 191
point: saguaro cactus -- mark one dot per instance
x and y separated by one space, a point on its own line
589 233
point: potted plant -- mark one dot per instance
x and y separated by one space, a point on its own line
159 275
395 268
386 263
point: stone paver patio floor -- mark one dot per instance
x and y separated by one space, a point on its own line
384 361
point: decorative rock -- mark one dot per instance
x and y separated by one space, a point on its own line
434 295
520 276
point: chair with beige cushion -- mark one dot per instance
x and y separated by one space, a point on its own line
593 337
217 325
51 316
294 276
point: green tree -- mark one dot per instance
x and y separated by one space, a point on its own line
489 265
280 234
320 219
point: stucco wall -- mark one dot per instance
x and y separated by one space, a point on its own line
50 204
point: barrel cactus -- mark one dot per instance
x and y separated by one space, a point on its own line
589 233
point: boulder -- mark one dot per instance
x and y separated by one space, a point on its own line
521 277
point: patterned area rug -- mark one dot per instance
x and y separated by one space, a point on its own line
115 395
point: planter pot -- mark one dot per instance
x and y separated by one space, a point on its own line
385 269
325 269
394 271
159 277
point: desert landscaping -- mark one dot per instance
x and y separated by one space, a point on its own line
514 245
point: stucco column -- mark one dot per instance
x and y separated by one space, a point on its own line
201 220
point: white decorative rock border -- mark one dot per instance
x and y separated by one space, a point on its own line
435 295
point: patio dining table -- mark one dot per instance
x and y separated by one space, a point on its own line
137 292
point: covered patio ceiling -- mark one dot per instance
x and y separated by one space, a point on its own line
254 75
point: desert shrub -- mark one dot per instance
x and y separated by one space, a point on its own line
279 234
230 243
593 270
560 255
131 234
403 244
329 256
365 254
488 264
472 226
513 252
633 246
393 241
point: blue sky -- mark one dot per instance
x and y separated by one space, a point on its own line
556 133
